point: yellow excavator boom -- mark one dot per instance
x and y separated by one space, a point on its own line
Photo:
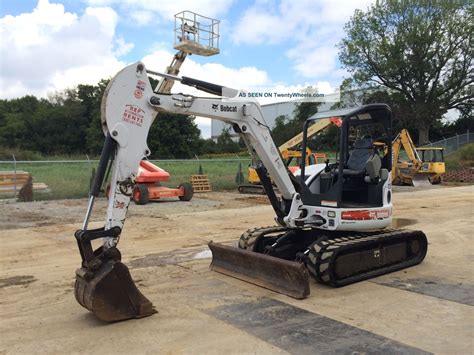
414 171
286 149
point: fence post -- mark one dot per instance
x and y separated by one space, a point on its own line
457 141
14 177
88 160
239 178
468 135
200 172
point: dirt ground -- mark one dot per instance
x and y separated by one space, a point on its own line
424 309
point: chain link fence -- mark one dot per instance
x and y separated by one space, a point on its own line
452 144
72 178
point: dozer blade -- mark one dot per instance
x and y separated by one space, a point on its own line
287 277
420 180
110 293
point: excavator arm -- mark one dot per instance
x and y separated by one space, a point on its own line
314 129
286 150
405 172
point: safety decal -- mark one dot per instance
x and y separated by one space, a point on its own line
138 94
120 205
139 89
365 214
133 115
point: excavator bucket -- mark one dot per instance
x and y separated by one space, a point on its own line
287 277
110 293
420 179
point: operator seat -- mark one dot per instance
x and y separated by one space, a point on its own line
360 155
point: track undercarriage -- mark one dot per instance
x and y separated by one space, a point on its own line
332 258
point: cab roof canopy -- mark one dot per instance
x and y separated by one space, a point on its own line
359 113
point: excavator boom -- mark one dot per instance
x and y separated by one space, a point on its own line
287 152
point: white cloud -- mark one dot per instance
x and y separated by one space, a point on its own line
316 63
314 28
122 47
257 27
30 29
143 12
50 49
141 17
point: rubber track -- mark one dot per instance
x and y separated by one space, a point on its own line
323 254
247 239
251 189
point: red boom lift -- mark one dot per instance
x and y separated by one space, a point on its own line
148 185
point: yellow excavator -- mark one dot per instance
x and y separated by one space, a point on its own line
291 154
414 170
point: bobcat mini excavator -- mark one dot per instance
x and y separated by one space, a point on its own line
333 219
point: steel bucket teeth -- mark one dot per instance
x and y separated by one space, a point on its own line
286 277
111 294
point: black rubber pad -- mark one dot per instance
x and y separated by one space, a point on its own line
302 332
456 292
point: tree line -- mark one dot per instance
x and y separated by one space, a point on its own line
69 123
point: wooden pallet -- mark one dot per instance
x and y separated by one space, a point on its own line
22 182
201 183
10 180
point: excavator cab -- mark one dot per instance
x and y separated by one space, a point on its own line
363 161
433 163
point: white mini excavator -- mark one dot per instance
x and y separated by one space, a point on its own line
333 220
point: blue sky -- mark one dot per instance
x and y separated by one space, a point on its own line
50 45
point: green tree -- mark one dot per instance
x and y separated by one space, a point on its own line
174 136
285 128
422 50
305 110
225 143
207 146
288 127
91 99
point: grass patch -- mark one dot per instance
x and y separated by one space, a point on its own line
71 180
462 158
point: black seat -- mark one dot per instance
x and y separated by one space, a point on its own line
356 165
